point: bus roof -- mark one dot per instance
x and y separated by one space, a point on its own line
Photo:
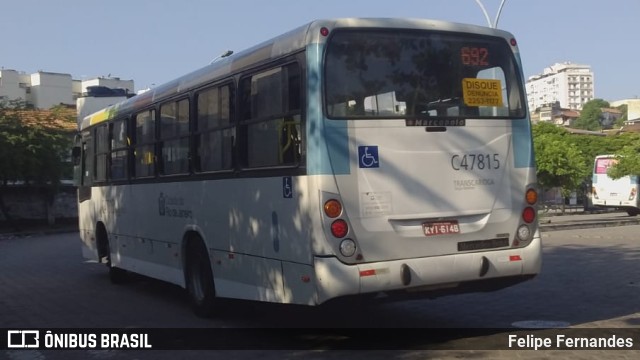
283 45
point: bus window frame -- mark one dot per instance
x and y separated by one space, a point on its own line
161 139
232 126
242 124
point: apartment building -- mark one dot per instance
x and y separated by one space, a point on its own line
571 85
44 90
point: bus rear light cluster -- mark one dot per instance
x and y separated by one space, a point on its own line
594 193
528 216
339 228
632 194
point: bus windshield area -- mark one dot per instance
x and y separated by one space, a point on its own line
407 74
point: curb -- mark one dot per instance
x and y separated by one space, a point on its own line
38 232
589 225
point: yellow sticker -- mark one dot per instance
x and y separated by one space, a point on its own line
482 92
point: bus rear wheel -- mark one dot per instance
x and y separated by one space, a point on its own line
199 279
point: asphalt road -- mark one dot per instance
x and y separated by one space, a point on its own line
590 279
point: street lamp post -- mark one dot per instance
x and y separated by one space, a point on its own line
486 15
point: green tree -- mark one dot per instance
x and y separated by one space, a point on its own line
34 147
559 161
628 160
625 115
590 115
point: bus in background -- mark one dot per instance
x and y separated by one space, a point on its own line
346 157
609 193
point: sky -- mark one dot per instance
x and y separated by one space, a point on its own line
155 41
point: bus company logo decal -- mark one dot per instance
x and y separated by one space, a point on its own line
470 184
173 206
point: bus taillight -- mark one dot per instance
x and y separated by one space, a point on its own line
333 208
594 192
339 228
531 196
632 194
528 215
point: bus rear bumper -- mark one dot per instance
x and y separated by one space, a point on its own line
430 276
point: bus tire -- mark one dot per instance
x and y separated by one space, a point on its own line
199 279
633 212
116 275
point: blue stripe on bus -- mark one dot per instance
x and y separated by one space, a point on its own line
522 141
327 140
522 144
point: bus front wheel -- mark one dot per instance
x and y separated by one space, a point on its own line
199 279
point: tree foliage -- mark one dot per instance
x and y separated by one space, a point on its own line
628 158
34 147
560 162
590 115
566 160
625 116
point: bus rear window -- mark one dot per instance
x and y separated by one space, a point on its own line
603 165
420 74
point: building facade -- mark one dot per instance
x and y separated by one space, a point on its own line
43 90
571 85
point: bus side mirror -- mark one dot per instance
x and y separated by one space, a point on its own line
76 155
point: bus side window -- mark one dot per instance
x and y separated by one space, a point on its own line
101 163
119 150
271 118
144 144
174 133
215 132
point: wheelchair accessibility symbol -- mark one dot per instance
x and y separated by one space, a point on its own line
368 157
287 187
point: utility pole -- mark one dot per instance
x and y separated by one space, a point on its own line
486 15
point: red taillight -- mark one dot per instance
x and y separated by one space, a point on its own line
324 31
632 194
528 215
513 42
339 228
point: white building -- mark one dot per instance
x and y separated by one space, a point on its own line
633 109
572 85
44 90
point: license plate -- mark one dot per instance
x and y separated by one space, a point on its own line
441 228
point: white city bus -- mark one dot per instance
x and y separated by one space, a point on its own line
346 157
606 192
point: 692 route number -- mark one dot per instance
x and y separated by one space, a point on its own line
475 162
